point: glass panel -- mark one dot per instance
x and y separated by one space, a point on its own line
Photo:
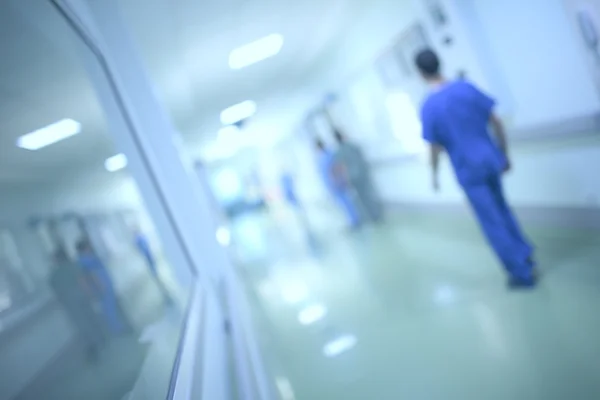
89 306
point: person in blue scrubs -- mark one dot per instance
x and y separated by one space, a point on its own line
357 173
455 118
65 279
332 176
101 286
288 189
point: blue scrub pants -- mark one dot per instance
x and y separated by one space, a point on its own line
108 302
344 198
500 227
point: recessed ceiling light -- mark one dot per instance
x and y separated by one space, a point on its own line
50 134
238 112
312 314
256 51
115 162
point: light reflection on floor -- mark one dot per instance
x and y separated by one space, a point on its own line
417 309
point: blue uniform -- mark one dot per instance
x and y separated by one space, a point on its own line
287 185
339 191
94 267
456 118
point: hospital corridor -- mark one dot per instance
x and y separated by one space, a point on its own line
271 200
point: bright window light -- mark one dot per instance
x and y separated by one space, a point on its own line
115 163
256 51
339 345
50 134
405 121
223 236
312 314
238 112
229 131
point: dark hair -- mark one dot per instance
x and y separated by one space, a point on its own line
83 245
428 63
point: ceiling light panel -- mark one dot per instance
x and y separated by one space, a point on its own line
339 345
50 134
115 162
256 51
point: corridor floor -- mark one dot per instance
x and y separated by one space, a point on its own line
416 308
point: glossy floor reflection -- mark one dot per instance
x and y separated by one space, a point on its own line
416 308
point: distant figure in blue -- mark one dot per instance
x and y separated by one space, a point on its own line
101 286
288 188
333 179
455 118
143 246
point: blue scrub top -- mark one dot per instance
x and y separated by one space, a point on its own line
456 117
91 262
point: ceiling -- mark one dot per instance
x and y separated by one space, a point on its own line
185 45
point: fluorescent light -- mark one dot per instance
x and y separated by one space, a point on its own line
115 162
238 112
312 314
50 134
405 121
256 51
339 345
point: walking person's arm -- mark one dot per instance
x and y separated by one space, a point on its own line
435 151
500 135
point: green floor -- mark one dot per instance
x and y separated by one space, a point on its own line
421 304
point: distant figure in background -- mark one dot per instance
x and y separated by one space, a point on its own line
143 246
288 189
455 118
356 170
101 286
335 183
67 283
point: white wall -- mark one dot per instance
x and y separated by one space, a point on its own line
537 55
555 174
525 54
